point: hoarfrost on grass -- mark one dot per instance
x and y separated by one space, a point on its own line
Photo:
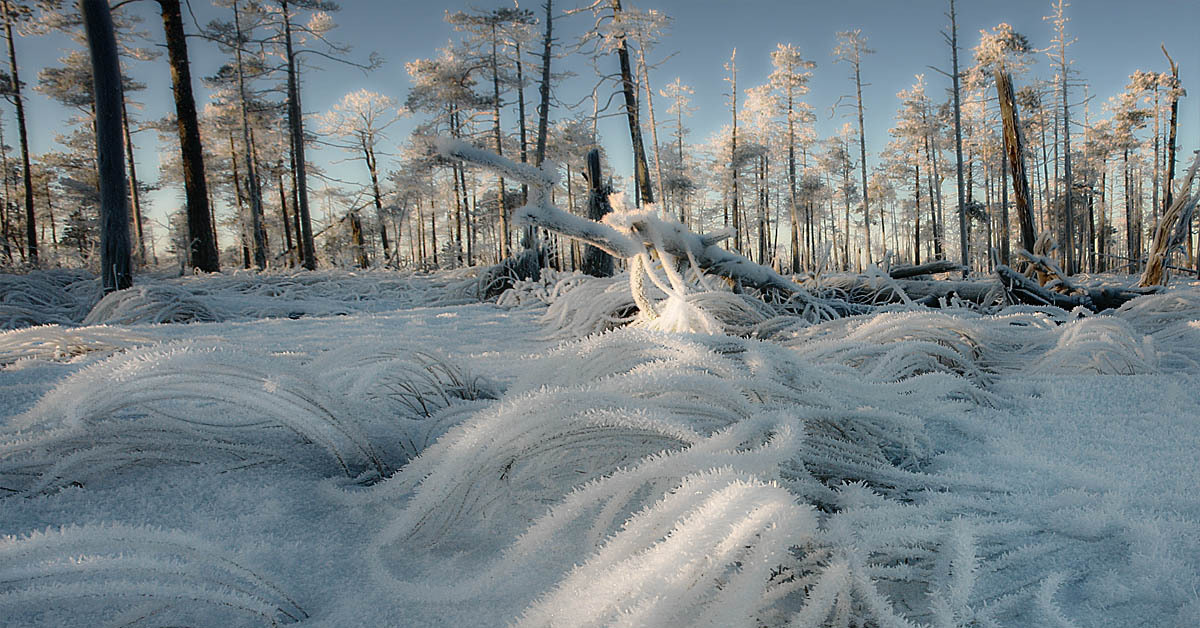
411 458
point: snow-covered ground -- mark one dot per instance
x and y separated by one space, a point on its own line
378 449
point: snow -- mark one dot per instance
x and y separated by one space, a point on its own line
342 449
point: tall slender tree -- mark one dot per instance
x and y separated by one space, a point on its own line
11 11
632 111
851 48
790 78
955 77
1059 55
734 161
543 108
202 246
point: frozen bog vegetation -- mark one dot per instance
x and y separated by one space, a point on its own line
335 449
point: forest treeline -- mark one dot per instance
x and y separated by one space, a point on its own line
1012 151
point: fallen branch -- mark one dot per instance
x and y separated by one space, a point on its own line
630 233
928 268
1022 289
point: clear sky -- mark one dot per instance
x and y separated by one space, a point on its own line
1113 38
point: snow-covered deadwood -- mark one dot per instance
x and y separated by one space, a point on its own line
634 234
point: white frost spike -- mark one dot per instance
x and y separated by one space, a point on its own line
701 555
54 342
170 381
115 566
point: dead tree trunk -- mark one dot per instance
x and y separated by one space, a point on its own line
595 261
1016 158
544 89
641 170
360 245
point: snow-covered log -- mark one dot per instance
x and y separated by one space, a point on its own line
623 234
1022 289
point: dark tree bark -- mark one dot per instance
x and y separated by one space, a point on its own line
641 170
1172 148
544 90
958 153
501 200
917 212
369 155
1016 158
290 250
296 128
1005 228
595 261
360 245
134 196
115 263
19 102
733 164
202 247
253 185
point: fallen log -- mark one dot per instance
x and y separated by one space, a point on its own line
1022 289
928 268
877 290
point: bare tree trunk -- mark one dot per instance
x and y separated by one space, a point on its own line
733 164
662 197
290 251
527 235
50 213
4 203
791 135
917 212
595 261
360 245
296 127
935 190
544 89
1005 228
253 189
115 264
958 152
1172 148
1131 248
202 246
19 102
237 192
1016 157
369 155
862 156
1068 183
641 170
134 196
503 204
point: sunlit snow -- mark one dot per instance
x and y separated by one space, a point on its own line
341 449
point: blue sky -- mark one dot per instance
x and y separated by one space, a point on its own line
1113 38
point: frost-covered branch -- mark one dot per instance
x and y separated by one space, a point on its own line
623 234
